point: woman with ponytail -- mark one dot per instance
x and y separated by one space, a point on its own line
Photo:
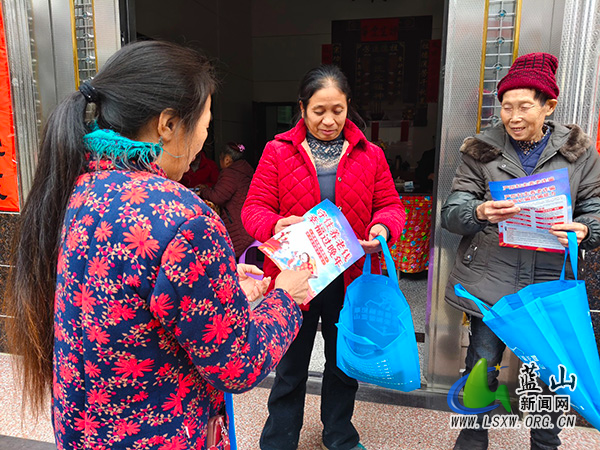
124 300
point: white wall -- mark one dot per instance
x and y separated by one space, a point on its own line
264 47
222 30
293 32
184 21
286 42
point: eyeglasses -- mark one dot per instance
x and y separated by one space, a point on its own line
520 111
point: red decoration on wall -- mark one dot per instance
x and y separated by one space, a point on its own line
404 130
376 30
326 54
411 251
598 136
374 131
9 192
433 70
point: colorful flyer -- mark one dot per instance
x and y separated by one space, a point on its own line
545 200
323 243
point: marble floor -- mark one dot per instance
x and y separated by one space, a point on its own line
382 427
384 420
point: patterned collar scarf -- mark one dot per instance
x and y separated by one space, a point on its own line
528 146
326 153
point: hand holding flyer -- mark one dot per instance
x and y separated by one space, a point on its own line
544 199
323 243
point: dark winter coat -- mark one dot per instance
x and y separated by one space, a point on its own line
229 193
485 269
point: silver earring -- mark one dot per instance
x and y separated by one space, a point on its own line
161 144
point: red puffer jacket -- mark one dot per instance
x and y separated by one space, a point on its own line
285 184
230 193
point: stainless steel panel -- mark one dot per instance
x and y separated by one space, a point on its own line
108 29
541 26
62 43
459 119
54 51
44 55
578 71
17 16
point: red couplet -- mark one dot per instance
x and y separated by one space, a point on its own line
9 191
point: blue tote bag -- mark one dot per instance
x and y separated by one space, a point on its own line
376 338
550 323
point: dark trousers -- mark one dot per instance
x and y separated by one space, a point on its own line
286 401
483 343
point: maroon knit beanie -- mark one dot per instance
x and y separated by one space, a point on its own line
531 71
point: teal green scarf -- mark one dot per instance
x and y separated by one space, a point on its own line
111 145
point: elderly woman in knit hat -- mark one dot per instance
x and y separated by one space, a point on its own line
525 143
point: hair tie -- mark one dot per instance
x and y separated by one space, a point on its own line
89 92
241 148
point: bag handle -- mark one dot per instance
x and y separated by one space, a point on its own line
487 311
355 337
389 261
483 307
573 254
231 423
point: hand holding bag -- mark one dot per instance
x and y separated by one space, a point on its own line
376 338
550 323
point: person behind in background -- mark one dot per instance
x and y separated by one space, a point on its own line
525 143
325 156
125 299
229 193
203 172
425 171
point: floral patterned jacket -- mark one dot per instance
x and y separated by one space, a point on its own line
151 324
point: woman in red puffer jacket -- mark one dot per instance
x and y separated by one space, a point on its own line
324 156
229 193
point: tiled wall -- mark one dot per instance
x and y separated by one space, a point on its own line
221 29
592 280
7 226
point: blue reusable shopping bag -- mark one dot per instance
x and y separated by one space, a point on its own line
550 323
231 424
376 339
